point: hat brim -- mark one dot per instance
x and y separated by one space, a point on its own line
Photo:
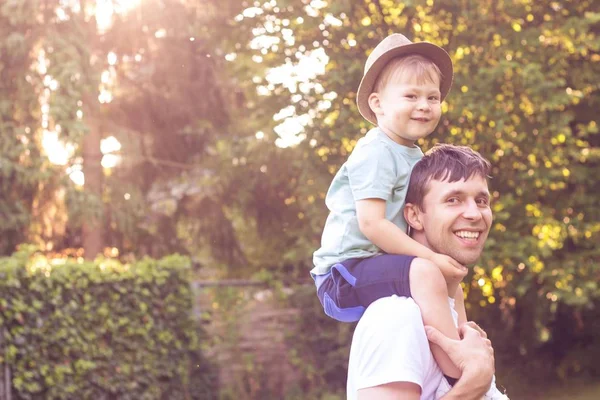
436 54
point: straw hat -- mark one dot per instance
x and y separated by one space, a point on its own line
393 46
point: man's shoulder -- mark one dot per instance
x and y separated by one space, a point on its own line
403 308
390 345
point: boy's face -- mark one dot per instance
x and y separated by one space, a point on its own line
457 218
407 110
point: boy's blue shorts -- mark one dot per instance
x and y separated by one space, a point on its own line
353 284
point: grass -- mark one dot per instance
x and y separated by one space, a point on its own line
575 390
571 392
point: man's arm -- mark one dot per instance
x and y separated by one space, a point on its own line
469 387
473 355
391 391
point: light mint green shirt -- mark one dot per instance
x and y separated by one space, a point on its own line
378 168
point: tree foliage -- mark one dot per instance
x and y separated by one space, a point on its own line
22 168
524 94
149 79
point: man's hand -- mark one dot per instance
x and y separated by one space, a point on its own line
473 355
473 325
449 266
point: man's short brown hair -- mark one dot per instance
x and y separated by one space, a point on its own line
444 162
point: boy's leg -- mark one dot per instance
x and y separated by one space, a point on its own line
429 290
354 284
328 295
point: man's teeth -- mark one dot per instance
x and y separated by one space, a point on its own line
467 234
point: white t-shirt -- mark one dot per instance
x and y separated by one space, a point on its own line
390 345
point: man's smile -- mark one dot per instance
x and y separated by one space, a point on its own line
467 234
470 237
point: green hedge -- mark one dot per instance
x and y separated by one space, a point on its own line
320 356
101 330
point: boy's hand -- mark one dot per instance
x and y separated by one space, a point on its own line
449 266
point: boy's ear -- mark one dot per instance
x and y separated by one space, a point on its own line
412 215
375 103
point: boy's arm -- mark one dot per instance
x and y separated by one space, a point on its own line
383 233
390 238
459 306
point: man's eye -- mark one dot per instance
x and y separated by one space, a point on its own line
483 202
452 200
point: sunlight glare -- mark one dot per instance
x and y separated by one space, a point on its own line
111 58
110 145
290 131
284 113
76 174
58 152
297 77
333 21
110 161
106 9
104 13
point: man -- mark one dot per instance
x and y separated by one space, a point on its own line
447 209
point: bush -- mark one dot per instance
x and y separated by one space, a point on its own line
94 330
320 347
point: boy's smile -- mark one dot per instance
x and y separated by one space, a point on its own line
408 110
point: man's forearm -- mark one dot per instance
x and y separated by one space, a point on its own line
472 385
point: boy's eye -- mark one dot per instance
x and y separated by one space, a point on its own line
411 96
434 98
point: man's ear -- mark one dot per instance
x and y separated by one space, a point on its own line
375 103
412 215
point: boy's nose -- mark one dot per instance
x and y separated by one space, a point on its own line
423 105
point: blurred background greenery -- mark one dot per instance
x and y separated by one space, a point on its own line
213 129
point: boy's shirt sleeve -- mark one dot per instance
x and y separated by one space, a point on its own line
371 172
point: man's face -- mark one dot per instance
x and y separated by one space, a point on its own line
457 218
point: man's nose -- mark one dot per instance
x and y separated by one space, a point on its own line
472 210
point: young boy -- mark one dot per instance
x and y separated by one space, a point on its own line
365 252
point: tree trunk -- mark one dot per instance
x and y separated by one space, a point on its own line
93 232
92 229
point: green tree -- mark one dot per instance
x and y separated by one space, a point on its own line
524 95
152 79
27 179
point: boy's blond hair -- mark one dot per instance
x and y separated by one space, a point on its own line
414 66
